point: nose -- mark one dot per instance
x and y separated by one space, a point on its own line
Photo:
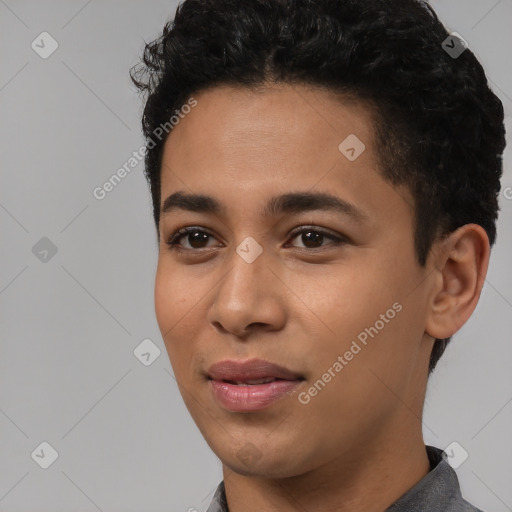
250 296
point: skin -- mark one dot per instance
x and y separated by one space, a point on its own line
358 444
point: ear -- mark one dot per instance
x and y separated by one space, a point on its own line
461 261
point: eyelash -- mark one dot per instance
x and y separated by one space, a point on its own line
173 240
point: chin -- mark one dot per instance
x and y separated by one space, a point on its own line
261 469
271 463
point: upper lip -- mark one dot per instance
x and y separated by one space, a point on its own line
241 371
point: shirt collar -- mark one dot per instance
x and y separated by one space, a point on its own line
219 503
438 490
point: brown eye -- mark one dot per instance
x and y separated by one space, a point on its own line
195 236
314 238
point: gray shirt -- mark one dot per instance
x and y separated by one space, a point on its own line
437 491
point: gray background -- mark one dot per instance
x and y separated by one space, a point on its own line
69 326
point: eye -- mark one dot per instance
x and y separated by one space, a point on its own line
312 237
194 235
315 236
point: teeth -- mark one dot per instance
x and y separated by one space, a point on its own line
255 381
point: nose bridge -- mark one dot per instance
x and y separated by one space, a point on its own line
242 285
245 295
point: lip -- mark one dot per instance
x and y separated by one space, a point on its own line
249 370
224 375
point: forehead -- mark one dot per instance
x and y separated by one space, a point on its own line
269 124
247 145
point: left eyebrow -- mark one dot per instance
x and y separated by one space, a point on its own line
292 203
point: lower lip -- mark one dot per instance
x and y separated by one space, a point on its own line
251 397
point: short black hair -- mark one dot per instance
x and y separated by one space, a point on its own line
438 126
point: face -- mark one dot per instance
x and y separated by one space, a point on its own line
328 289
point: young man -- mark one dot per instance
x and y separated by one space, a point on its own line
324 175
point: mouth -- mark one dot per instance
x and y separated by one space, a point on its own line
252 382
251 371
251 385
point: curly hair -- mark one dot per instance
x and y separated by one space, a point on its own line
438 126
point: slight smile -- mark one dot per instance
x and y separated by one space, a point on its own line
252 385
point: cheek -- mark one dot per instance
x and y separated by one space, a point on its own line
353 299
378 332
172 302
181 302
370 306
165 301
174 294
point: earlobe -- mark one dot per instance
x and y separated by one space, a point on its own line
461 263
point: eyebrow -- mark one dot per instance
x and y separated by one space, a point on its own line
291 203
